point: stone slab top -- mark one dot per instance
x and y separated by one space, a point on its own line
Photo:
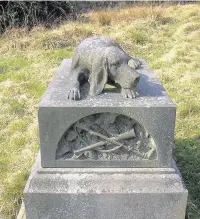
162 178
151 92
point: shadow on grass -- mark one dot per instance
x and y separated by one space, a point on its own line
187 156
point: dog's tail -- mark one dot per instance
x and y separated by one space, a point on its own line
134 63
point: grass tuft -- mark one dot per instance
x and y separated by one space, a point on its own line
19 125
137 37
192 27
17 107
189 109
102 18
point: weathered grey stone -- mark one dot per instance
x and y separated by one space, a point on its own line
121 193
78 138
100 60
153 110
106 136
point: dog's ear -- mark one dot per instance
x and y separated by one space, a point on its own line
98 76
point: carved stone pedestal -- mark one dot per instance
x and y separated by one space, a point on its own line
121 193
106 157
65 125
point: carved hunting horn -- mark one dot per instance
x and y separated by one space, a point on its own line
113 140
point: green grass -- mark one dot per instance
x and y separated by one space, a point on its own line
168 38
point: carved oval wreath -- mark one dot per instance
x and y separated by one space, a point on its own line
106 136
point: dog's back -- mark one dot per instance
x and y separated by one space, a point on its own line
96 42
87 46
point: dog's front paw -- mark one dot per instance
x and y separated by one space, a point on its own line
128 93
74 94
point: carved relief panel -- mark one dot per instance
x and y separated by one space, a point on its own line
104 137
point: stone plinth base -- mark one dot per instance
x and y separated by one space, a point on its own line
105 193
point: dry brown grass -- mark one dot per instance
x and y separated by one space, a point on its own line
128 14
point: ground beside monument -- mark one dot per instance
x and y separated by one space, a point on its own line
174 56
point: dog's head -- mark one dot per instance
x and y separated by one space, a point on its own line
116 65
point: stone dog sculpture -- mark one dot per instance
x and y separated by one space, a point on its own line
102 61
